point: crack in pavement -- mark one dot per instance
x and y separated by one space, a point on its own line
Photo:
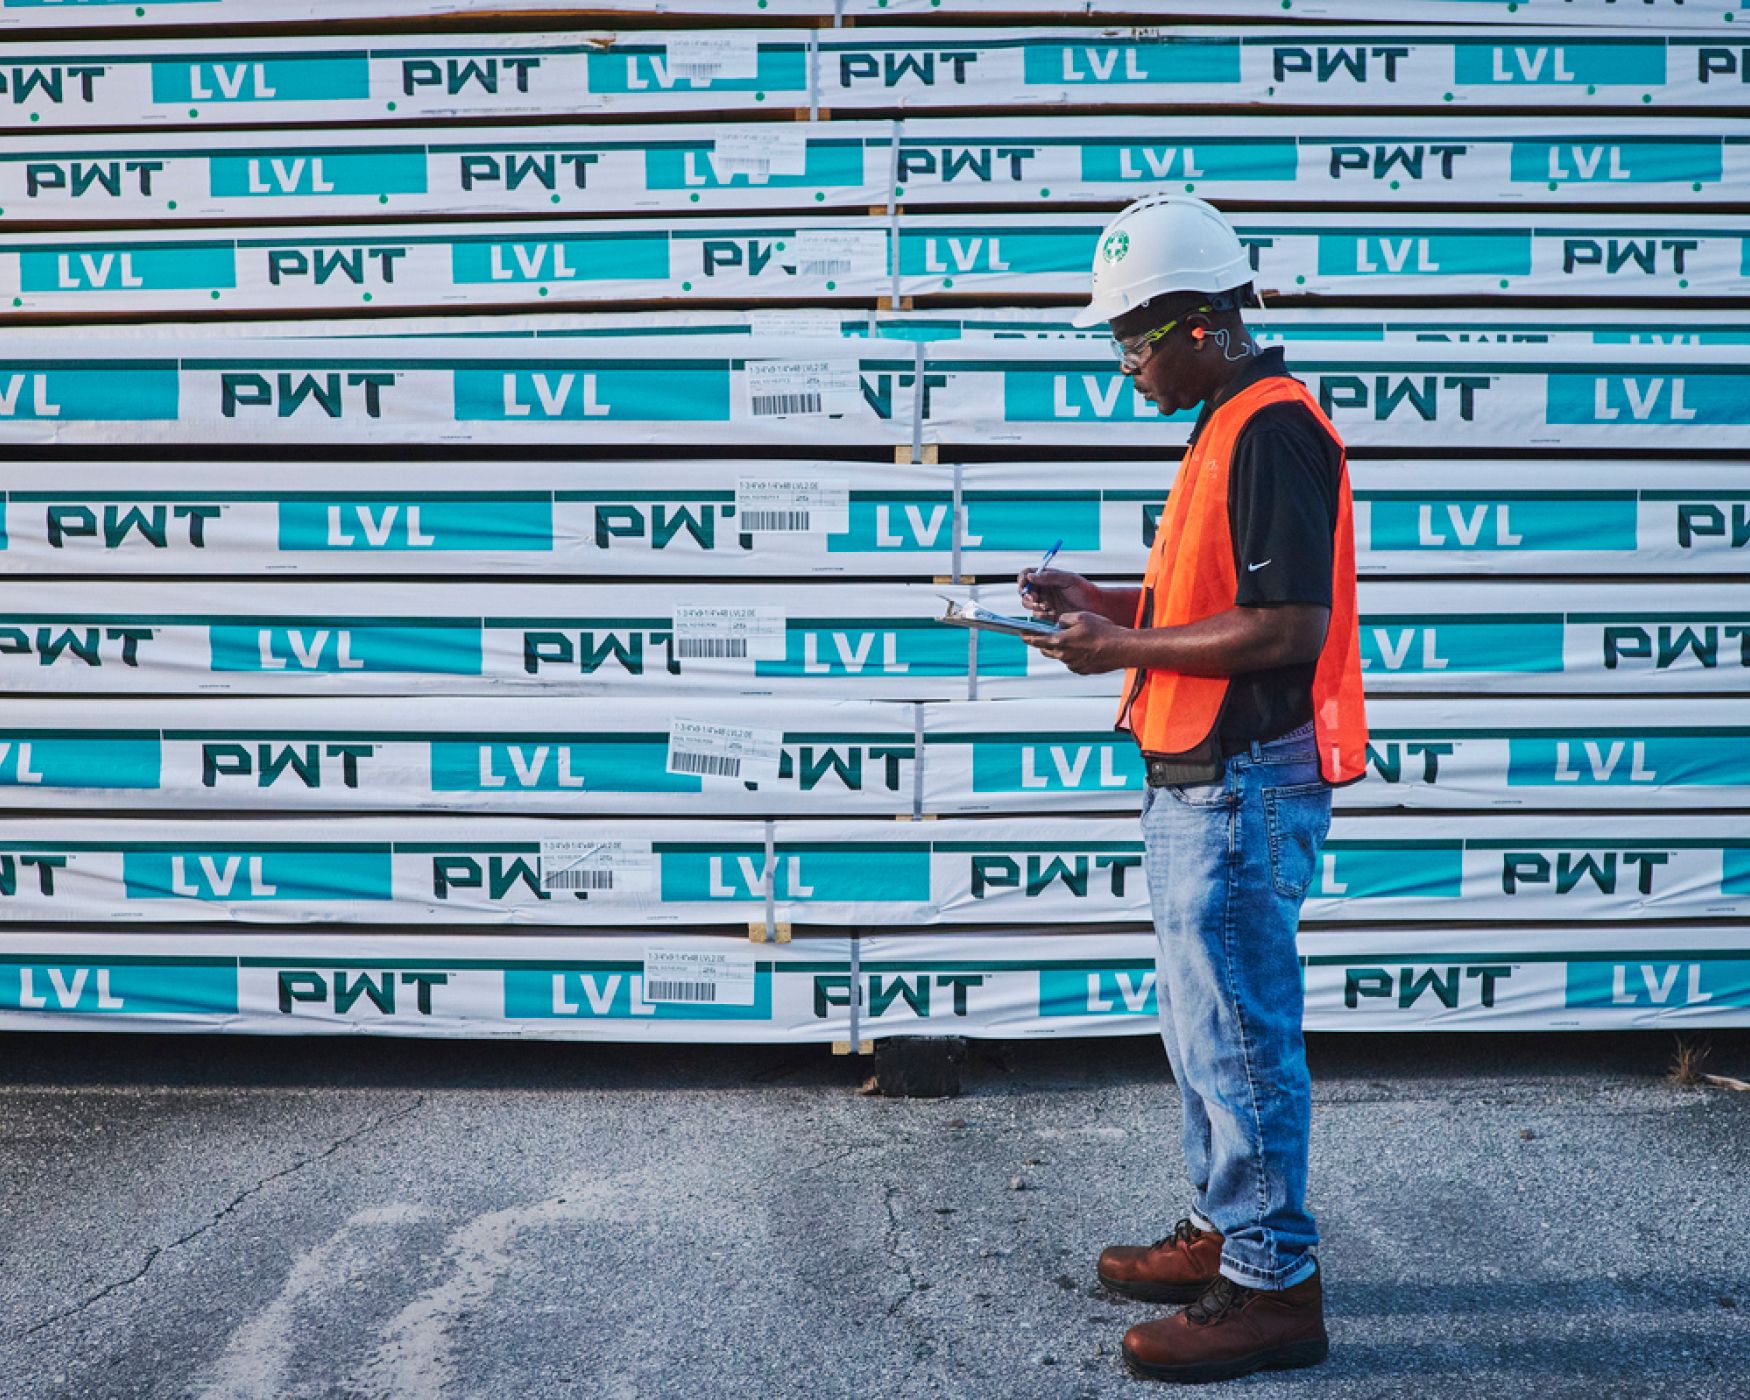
890 1243
157 1251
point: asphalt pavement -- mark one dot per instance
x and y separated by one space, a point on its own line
226 1218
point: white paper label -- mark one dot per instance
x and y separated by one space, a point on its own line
696 976
706 750
767 150
792 505
751 634
599 867
840 252
793 325
784 388
702 57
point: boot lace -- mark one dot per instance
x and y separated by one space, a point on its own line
1185 1232
1221 1298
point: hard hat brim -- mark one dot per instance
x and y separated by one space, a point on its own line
1092 314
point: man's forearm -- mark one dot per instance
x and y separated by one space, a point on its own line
1231 643
1118 603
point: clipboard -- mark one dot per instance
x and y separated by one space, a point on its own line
964 612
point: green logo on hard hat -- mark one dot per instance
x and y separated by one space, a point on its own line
1115 246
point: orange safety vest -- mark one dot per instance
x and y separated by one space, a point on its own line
1191 576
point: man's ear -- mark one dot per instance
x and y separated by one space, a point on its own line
1197 326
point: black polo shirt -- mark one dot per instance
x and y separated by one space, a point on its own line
1282 512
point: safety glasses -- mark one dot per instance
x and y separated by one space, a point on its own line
1130 350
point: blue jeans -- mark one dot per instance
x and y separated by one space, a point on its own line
1228 864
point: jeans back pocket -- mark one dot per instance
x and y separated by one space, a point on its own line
1296 820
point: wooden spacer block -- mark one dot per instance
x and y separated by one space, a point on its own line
783 933
841 1047
865 1047
930 448
902 456
756 933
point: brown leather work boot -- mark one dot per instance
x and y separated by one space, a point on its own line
1232 1331
1176 1269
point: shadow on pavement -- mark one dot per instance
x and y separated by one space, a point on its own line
994 1068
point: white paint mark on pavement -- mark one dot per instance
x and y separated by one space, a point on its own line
415 1360
253 1364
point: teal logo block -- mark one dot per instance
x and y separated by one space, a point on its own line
957 252
669 393
632 68
1425 646
1611 760
1076 395
525 260
196 988
1547 65
371 524
1218 159
880 874
694 166
319 172
608 994
31 761
1619 162
241 875
1126 991
1056 763
1711 982
1113 65
134 393
1673 399
328 78
1422 870
556 766
1484 524
1433 254
859 650
336 650
146 268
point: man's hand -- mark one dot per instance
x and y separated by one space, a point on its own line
1057 591
1089 644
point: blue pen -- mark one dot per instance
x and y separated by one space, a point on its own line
1050 554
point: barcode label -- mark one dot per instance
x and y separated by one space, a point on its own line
765 405
702 57
761 151
776 388
680 991
775 521
579 880
597 867
706 750
792 505
787 325
708 765
693 973
701 648
734 634
841 252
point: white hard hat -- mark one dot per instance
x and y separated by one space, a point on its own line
1163 243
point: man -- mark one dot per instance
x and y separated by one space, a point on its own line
1243 690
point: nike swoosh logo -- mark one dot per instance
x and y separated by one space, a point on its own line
1253 568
